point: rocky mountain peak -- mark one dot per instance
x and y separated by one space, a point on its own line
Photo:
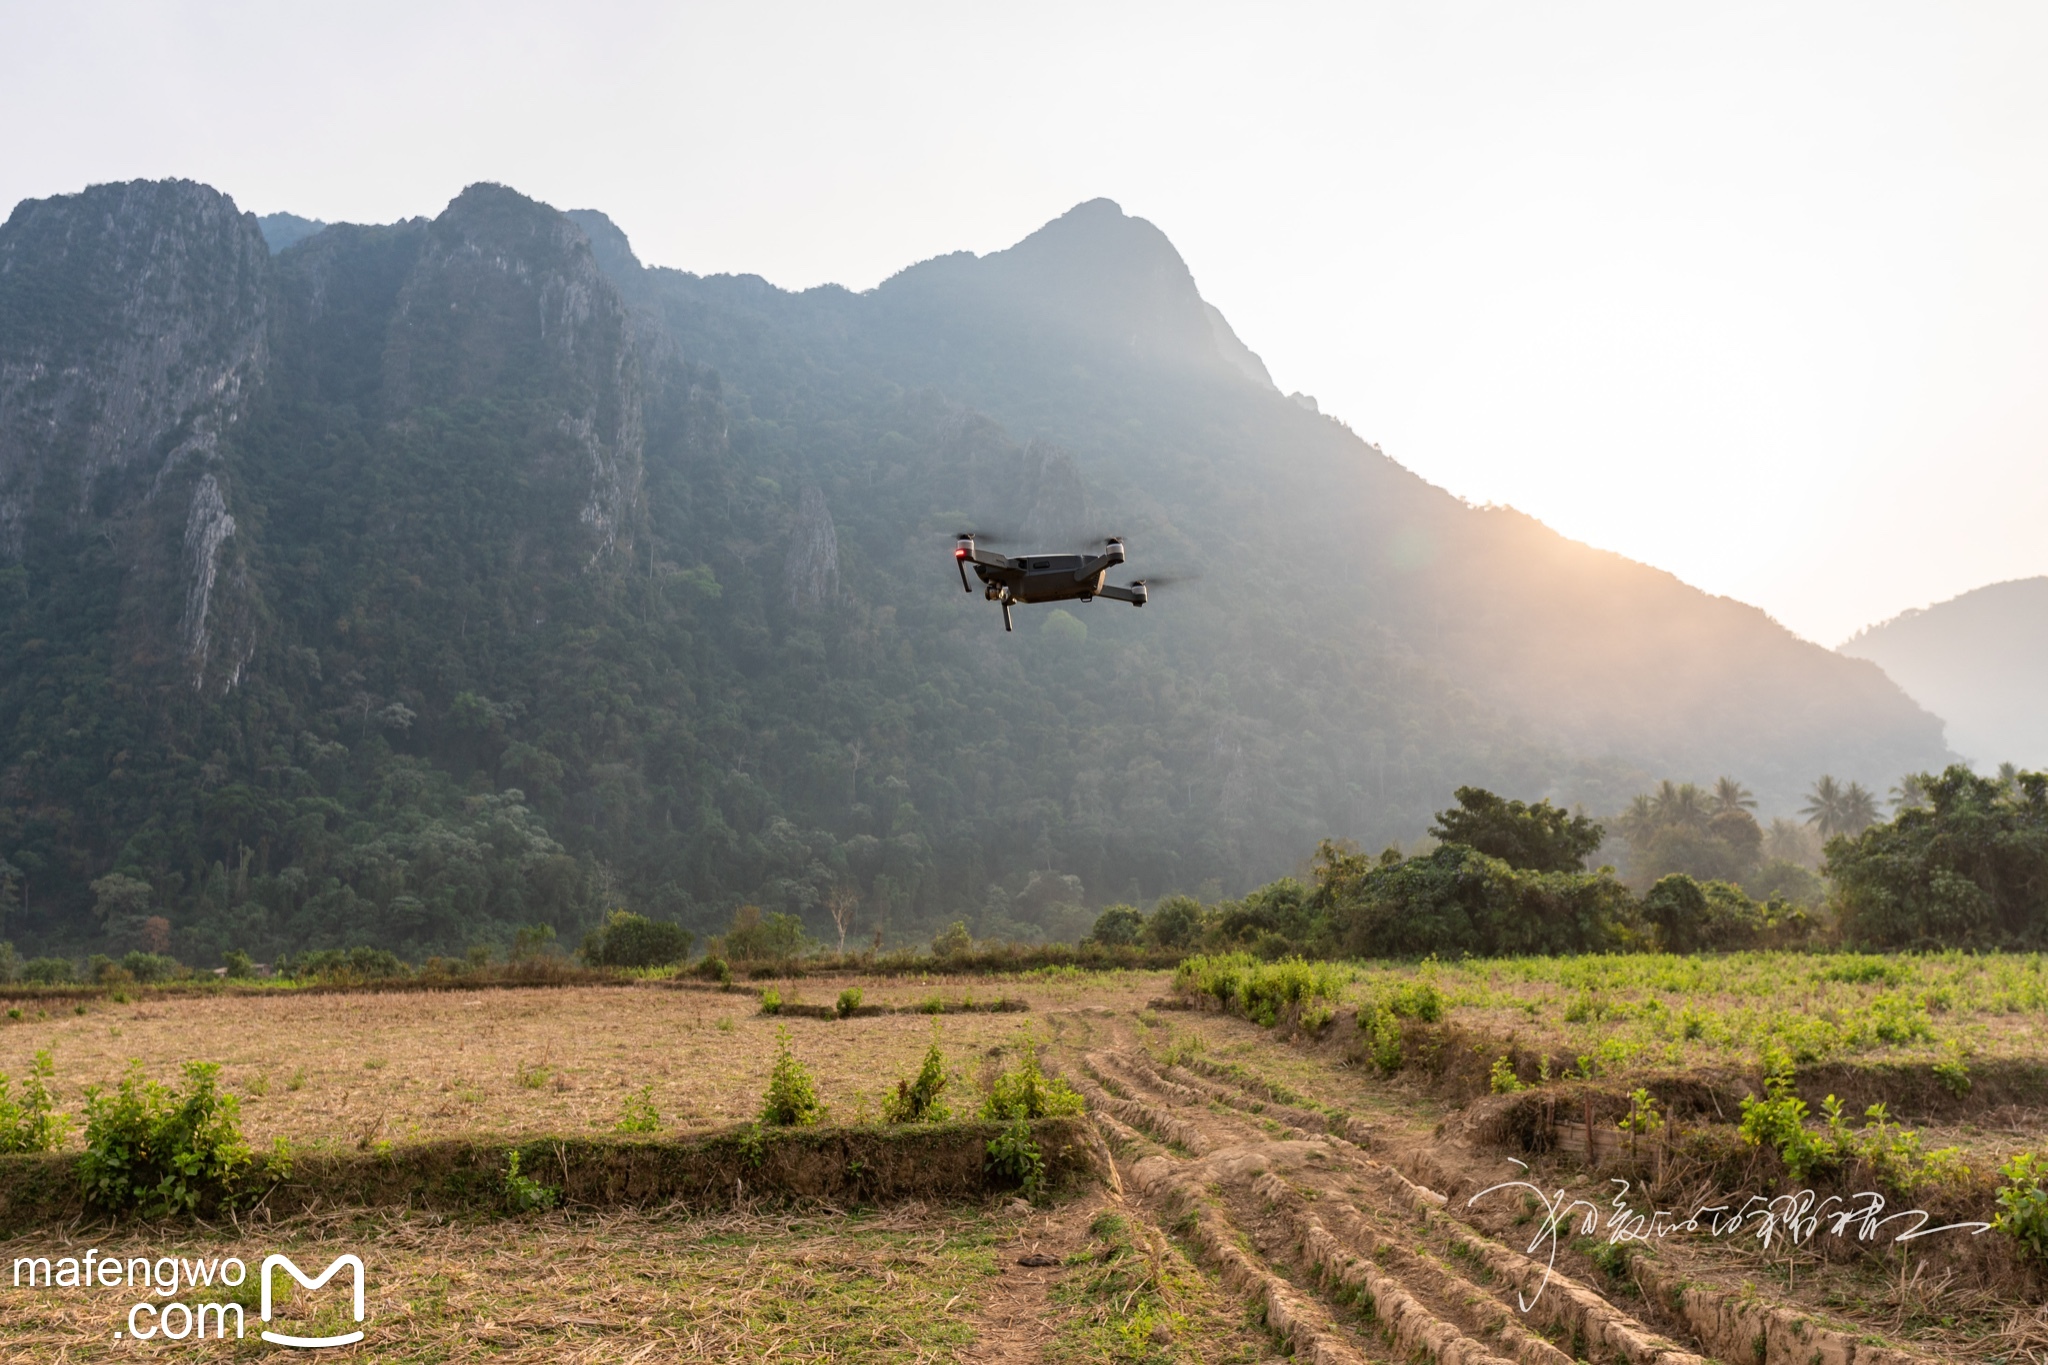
1095 275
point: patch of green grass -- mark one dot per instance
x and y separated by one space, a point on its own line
1135 1299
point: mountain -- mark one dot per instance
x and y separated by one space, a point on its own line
419 581
281 230
1980 660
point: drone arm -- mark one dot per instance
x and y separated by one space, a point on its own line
1135 594
960 563
1098 565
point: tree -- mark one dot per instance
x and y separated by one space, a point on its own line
1967 870
1730 795
119 901
842 902
1859 809
1680 804
1535 838
1118 926
1823 809
1911 791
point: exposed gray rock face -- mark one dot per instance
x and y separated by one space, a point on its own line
133 328
810 573
506 291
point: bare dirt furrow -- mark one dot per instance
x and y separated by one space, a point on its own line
1429 1306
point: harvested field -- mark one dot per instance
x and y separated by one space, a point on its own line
1255 1191
350 1071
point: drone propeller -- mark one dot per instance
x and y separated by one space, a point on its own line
1165 580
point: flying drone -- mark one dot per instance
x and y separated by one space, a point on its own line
1045 577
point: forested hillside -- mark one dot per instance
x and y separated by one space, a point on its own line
417 582
1981 660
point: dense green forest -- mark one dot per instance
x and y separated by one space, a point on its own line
417 583
1963 863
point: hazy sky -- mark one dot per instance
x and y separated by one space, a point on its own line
1758 294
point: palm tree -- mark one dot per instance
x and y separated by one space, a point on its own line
1728 794
1682 804
1639 821
1823 808
1859 809
1911 793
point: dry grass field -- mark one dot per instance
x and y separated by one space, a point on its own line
353 1070
1274 1190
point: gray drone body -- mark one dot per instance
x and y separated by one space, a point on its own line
1045 577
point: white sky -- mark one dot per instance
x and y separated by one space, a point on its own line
1756 293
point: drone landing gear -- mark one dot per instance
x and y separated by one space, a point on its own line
1007 623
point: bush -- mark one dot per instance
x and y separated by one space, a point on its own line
524 1194
630 940
792 1098
1026 1092
361 963
156 1151
46 971
640 1114
1175 922
32 1123
1259 991
151 967
2023 1204
953 940
1459 900
1118 926
715 968
920 1100
1015 1153
755 937
239 965
849 1001
1502 1079
771 1001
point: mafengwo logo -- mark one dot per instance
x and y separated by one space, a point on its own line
195 1313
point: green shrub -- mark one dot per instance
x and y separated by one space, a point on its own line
1381 1032
953 940
1260 991
2023 1204
1026 1092
792 1098
849 1001
240 967
1953 1072
524 1194
1502 1079
158 1151
343 964
1118 926
715 968
32 1123
46 971
771 1001
755 937
640 1114
921 1100
629 940
1015 1153
1643 1117
1417 1000
151 967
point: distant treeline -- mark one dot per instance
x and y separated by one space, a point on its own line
1963 864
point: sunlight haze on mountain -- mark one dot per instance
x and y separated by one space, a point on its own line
1751 295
